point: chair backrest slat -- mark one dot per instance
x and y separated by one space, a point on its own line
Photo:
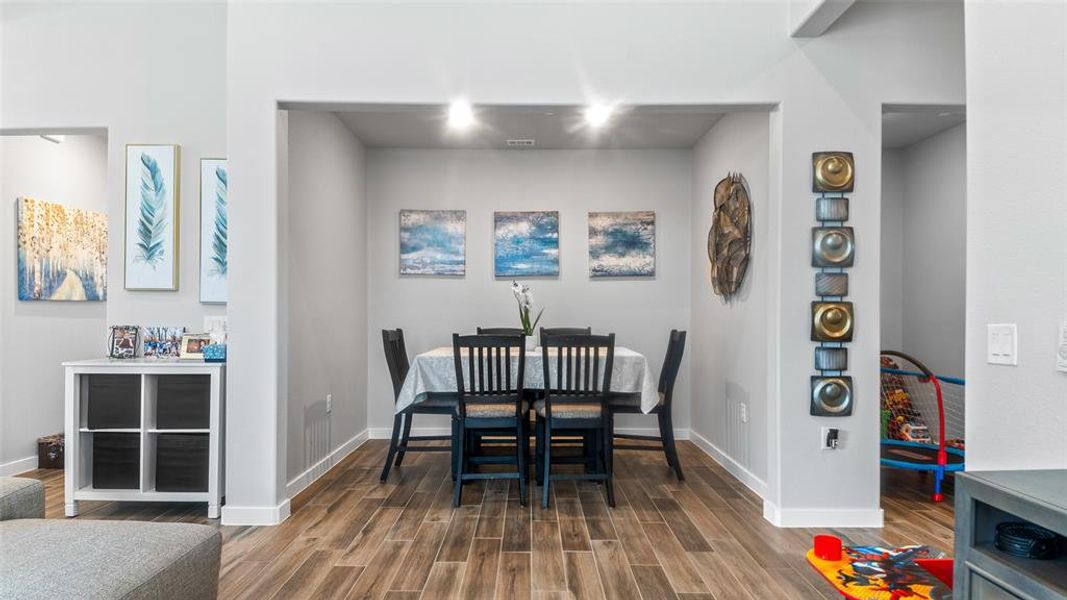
490 362
499 331
550 331
672 362
396 358
579 375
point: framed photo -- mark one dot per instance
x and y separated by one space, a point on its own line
214 240
151 220
162 342
193 346
123 341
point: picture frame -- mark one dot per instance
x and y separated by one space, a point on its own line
61 252
162 342
433 243
192 347
151 220
526 244
214 230
123 341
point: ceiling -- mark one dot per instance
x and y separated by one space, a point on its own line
551 127
903 128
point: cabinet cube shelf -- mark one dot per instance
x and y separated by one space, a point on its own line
144 430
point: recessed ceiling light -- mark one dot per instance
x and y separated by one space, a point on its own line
460 115
596 115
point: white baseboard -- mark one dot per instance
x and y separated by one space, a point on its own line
735 468
821 517
255 515
384 433
18 466
303 480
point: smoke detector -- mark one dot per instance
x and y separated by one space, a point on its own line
521 143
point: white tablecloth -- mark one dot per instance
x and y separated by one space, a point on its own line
435 371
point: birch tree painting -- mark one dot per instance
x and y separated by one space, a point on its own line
62 252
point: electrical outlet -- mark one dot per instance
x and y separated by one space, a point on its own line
743 411
829 438
329 403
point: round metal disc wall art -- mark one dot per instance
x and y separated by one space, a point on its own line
730 237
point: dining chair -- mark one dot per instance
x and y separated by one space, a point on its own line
548 331
499 331
631 404
574 404
490 401
396 357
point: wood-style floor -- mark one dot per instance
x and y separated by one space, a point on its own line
350 537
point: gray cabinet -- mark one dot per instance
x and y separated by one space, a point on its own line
983 500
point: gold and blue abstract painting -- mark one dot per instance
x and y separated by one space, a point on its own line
622 244
433 242
62 252
526 244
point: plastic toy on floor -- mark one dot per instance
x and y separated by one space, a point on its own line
874 573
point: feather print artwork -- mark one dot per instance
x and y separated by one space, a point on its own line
219 237
152 221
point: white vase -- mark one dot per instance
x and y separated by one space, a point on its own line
531 343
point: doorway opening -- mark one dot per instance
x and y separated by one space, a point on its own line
923 270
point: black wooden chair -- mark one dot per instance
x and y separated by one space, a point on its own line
499 331
631 404
396 357
550 331
574 405
490 401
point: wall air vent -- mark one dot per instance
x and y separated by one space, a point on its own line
521 143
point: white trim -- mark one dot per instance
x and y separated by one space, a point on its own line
255 515
303 480
18 466
735 468
384 433
823 517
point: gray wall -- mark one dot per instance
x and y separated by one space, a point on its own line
641 312
1016 226
924 221
36 336
327 289
728 341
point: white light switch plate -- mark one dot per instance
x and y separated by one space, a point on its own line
1002 344
1061 350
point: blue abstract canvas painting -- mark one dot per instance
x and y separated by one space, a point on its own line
622 244
433 242
527 244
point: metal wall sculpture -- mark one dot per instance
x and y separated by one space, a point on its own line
833 249
729 241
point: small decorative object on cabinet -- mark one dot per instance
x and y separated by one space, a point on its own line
214 230
433 242
831 396
193 346
61 252
122 343
985 501
215 353
832 172
143 430
152 217
622 244
730 237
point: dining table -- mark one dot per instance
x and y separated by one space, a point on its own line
435 371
